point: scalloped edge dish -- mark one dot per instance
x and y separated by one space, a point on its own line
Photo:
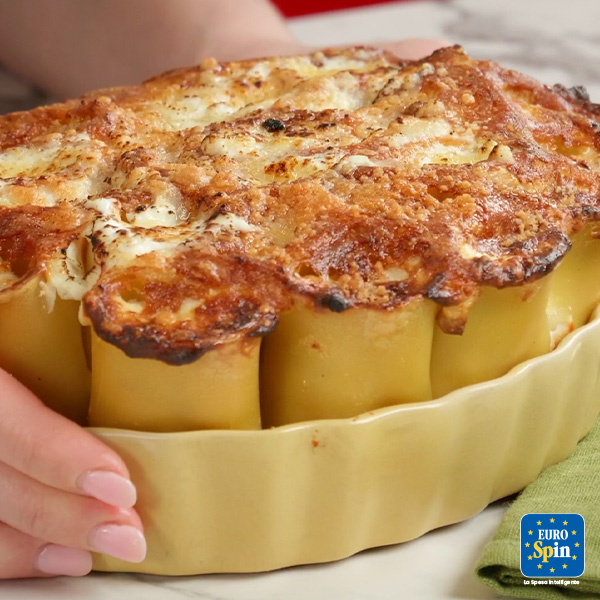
250 501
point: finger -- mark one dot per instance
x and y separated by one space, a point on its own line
69 519
23 556
414 49
56 451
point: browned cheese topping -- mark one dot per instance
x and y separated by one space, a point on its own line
191 210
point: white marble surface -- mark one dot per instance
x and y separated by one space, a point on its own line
438 565
554 40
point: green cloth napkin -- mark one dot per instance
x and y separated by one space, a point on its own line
572 486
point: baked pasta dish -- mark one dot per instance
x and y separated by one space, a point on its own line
259 243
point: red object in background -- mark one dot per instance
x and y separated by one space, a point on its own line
294 8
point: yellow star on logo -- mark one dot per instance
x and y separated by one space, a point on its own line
574 532
529 557
539 522
526 544
576 544
539 566
564 566
530 532
565 522
574 558
551 520
552 570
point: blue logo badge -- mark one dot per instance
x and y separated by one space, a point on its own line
552 545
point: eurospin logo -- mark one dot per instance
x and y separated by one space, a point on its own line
552 545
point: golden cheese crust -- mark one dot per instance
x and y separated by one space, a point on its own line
191 210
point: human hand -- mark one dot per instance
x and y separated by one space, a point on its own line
413 49
147 37
62 493
255 29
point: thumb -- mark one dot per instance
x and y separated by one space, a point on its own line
414 49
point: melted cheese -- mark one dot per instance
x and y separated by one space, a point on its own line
342 173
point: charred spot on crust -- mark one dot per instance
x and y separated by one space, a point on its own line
580 93
335 302
273 125
266 326
526 260
439 290
413 109
172 347
589 212
144 342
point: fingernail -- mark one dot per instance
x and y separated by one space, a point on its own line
121 541
109 487
59 560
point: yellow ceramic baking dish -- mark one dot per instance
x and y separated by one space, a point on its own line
246 501
291 276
